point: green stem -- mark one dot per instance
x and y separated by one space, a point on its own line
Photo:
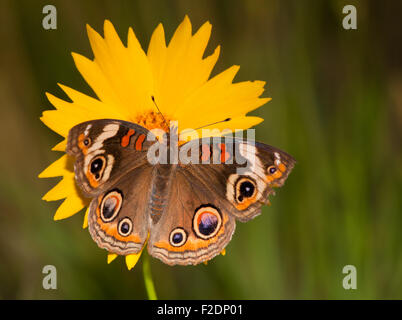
149 283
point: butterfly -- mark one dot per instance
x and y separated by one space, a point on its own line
185 211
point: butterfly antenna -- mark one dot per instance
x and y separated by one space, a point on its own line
164 120
207 125
211 124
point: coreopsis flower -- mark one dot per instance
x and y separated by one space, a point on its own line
124 77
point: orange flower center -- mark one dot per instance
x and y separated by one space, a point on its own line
152 120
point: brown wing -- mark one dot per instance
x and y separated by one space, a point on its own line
118 219
111 167
194 227
204 199
106 150
247 174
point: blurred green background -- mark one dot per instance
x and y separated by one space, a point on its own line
337 108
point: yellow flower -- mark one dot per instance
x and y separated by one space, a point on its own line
125 77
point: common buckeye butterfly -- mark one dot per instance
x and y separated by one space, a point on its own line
186 211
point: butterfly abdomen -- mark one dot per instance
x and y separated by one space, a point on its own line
158 200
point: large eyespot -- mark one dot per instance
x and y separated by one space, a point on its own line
206 222
245 189
125 226
178 237
97 166
111 205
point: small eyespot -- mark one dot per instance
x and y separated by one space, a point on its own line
110 205
178 237
206 222
83 142
97 166
271 169
125 226
245 189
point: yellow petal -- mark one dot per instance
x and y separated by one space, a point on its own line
58 103
157 59
94 76
132 259
206 66
82 101
62 190
197 70
171 85
181 36
85 223
223 252
58 168
127 70
111 257
61 121
70 206
98 45
82 108
180 69
113 42
61 146
200 40
139 75
219 99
